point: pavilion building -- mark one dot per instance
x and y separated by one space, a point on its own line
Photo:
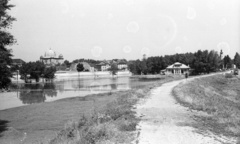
177 69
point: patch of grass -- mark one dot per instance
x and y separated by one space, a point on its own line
108 124
219 97
62 121
228 75
116 122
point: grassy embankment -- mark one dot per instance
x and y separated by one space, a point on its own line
114 123
97 118
219 97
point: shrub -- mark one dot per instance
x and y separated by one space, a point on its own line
228 75
127 125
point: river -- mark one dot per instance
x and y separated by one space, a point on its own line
25 94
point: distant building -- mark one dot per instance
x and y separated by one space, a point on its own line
122 65
87 67
177 69
17 62
51 58
104 65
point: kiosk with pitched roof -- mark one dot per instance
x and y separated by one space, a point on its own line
177 69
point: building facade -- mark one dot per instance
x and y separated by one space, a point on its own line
177 69
87 67
122 65
51 58
104 66
17 62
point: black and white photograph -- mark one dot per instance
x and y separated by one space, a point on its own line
119 71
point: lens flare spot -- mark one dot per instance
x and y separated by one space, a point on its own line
96 51
133 27
127 49
161 30
191 13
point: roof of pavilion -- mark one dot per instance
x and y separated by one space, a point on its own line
178 65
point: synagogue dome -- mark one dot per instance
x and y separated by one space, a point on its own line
50 53
60 56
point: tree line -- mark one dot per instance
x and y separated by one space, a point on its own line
200 62
36 70
6 40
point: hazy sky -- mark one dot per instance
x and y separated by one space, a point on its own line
107 29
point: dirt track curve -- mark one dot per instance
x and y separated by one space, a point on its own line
164 121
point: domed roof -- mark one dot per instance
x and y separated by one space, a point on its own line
60 56
177 63
50 53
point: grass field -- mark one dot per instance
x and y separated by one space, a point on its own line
99 118
219 97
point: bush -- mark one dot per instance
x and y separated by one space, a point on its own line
115 111
228 75
127 125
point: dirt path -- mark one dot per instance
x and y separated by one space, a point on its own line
163 121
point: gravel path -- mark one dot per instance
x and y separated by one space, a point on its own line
163 121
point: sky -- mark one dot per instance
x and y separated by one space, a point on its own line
108 29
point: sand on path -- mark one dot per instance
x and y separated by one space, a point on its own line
164 121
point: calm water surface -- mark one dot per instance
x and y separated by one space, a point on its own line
24 94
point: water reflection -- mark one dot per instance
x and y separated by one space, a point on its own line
65 88
36 93
30 97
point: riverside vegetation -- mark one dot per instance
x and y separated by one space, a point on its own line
114 123
96 118
219 97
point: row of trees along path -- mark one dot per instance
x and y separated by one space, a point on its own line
201 62
6 40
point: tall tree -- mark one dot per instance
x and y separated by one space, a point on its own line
34 69
213 61
49 73
132 67
143 67
237 60
67 63
80 68
227 62
37 70
113 69
6 39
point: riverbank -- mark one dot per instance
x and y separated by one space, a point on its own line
90 75
216 96
163 120
69 75
42 122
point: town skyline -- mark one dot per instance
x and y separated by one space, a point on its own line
124 29
144 55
